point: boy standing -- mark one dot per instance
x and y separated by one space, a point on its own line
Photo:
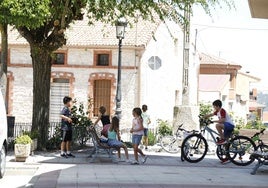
225 125
146 123
66 128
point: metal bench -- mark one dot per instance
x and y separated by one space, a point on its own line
100 149
261 157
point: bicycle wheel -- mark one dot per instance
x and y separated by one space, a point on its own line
170 144
221 152
194 148
263 148
239 150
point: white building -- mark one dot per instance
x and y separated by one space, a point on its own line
87 67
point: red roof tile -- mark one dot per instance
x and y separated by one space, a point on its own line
82 34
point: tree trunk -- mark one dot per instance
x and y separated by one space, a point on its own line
41 61
4 53
4 48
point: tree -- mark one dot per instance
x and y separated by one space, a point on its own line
20 13
48 36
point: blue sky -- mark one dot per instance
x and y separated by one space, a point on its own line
234 35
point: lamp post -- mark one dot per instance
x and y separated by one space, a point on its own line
120 34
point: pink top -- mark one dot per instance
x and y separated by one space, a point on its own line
137 125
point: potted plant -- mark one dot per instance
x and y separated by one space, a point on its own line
22 148
33 135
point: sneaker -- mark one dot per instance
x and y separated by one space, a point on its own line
144 159
121 160
128 161
135 162
70 155
224 161
221 142
64 155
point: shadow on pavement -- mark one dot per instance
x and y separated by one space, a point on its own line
161 170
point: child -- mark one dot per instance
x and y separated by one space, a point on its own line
225 125
114 138
105 119
146 123
137 131
66 128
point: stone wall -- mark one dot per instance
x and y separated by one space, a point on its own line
22 93
22 85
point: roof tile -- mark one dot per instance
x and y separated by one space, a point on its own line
100 34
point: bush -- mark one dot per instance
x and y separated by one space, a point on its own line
31 134
81 115
205 109
55 140
151 138
164 128
24 139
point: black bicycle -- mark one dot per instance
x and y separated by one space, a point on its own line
261 153
242 147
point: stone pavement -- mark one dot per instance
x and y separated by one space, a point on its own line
48 170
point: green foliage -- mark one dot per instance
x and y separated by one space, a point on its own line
24 139
110 11
28 13
151 138
252 124
205 109
255 124
164 128
83 121
31 134
55 140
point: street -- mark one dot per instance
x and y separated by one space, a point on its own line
47 170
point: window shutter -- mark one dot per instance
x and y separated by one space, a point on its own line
59 89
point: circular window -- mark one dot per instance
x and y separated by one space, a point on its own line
154 62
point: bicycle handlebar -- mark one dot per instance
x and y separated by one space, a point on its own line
184 130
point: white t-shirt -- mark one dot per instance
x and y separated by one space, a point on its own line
146 120
136 125
223 114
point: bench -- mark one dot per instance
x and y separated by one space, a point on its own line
261 157
100 149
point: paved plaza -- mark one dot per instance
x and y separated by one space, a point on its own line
48 170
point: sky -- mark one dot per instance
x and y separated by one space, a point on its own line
234 35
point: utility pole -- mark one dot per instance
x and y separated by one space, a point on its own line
186 55
187 112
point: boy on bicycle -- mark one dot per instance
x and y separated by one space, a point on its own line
224 125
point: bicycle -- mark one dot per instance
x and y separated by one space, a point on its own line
172 143
195 146
242 148
261 154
